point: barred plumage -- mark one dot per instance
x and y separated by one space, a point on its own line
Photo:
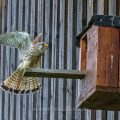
29 55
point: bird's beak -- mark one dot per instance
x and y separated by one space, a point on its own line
46 45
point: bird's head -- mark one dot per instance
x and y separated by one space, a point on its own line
42 46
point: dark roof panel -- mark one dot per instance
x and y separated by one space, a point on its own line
99 20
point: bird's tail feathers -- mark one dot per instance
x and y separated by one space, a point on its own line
18 84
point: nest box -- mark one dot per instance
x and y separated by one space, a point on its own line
100 56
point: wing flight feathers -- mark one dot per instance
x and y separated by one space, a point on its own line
20 40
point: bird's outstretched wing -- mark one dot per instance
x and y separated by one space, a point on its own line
20 40
38 39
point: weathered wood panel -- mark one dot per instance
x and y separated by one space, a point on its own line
69 91
0 59
59 21
111 11
24 100
47 64
38 107
78 113
55 51
61 100
2 63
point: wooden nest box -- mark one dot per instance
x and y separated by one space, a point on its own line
100 56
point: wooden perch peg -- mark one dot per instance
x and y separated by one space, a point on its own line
55 73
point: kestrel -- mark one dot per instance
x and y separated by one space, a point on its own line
29 55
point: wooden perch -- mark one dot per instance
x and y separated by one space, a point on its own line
54 73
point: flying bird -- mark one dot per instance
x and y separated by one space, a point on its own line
29 55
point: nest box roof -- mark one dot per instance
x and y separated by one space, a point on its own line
99 20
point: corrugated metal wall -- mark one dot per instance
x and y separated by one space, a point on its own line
59 21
